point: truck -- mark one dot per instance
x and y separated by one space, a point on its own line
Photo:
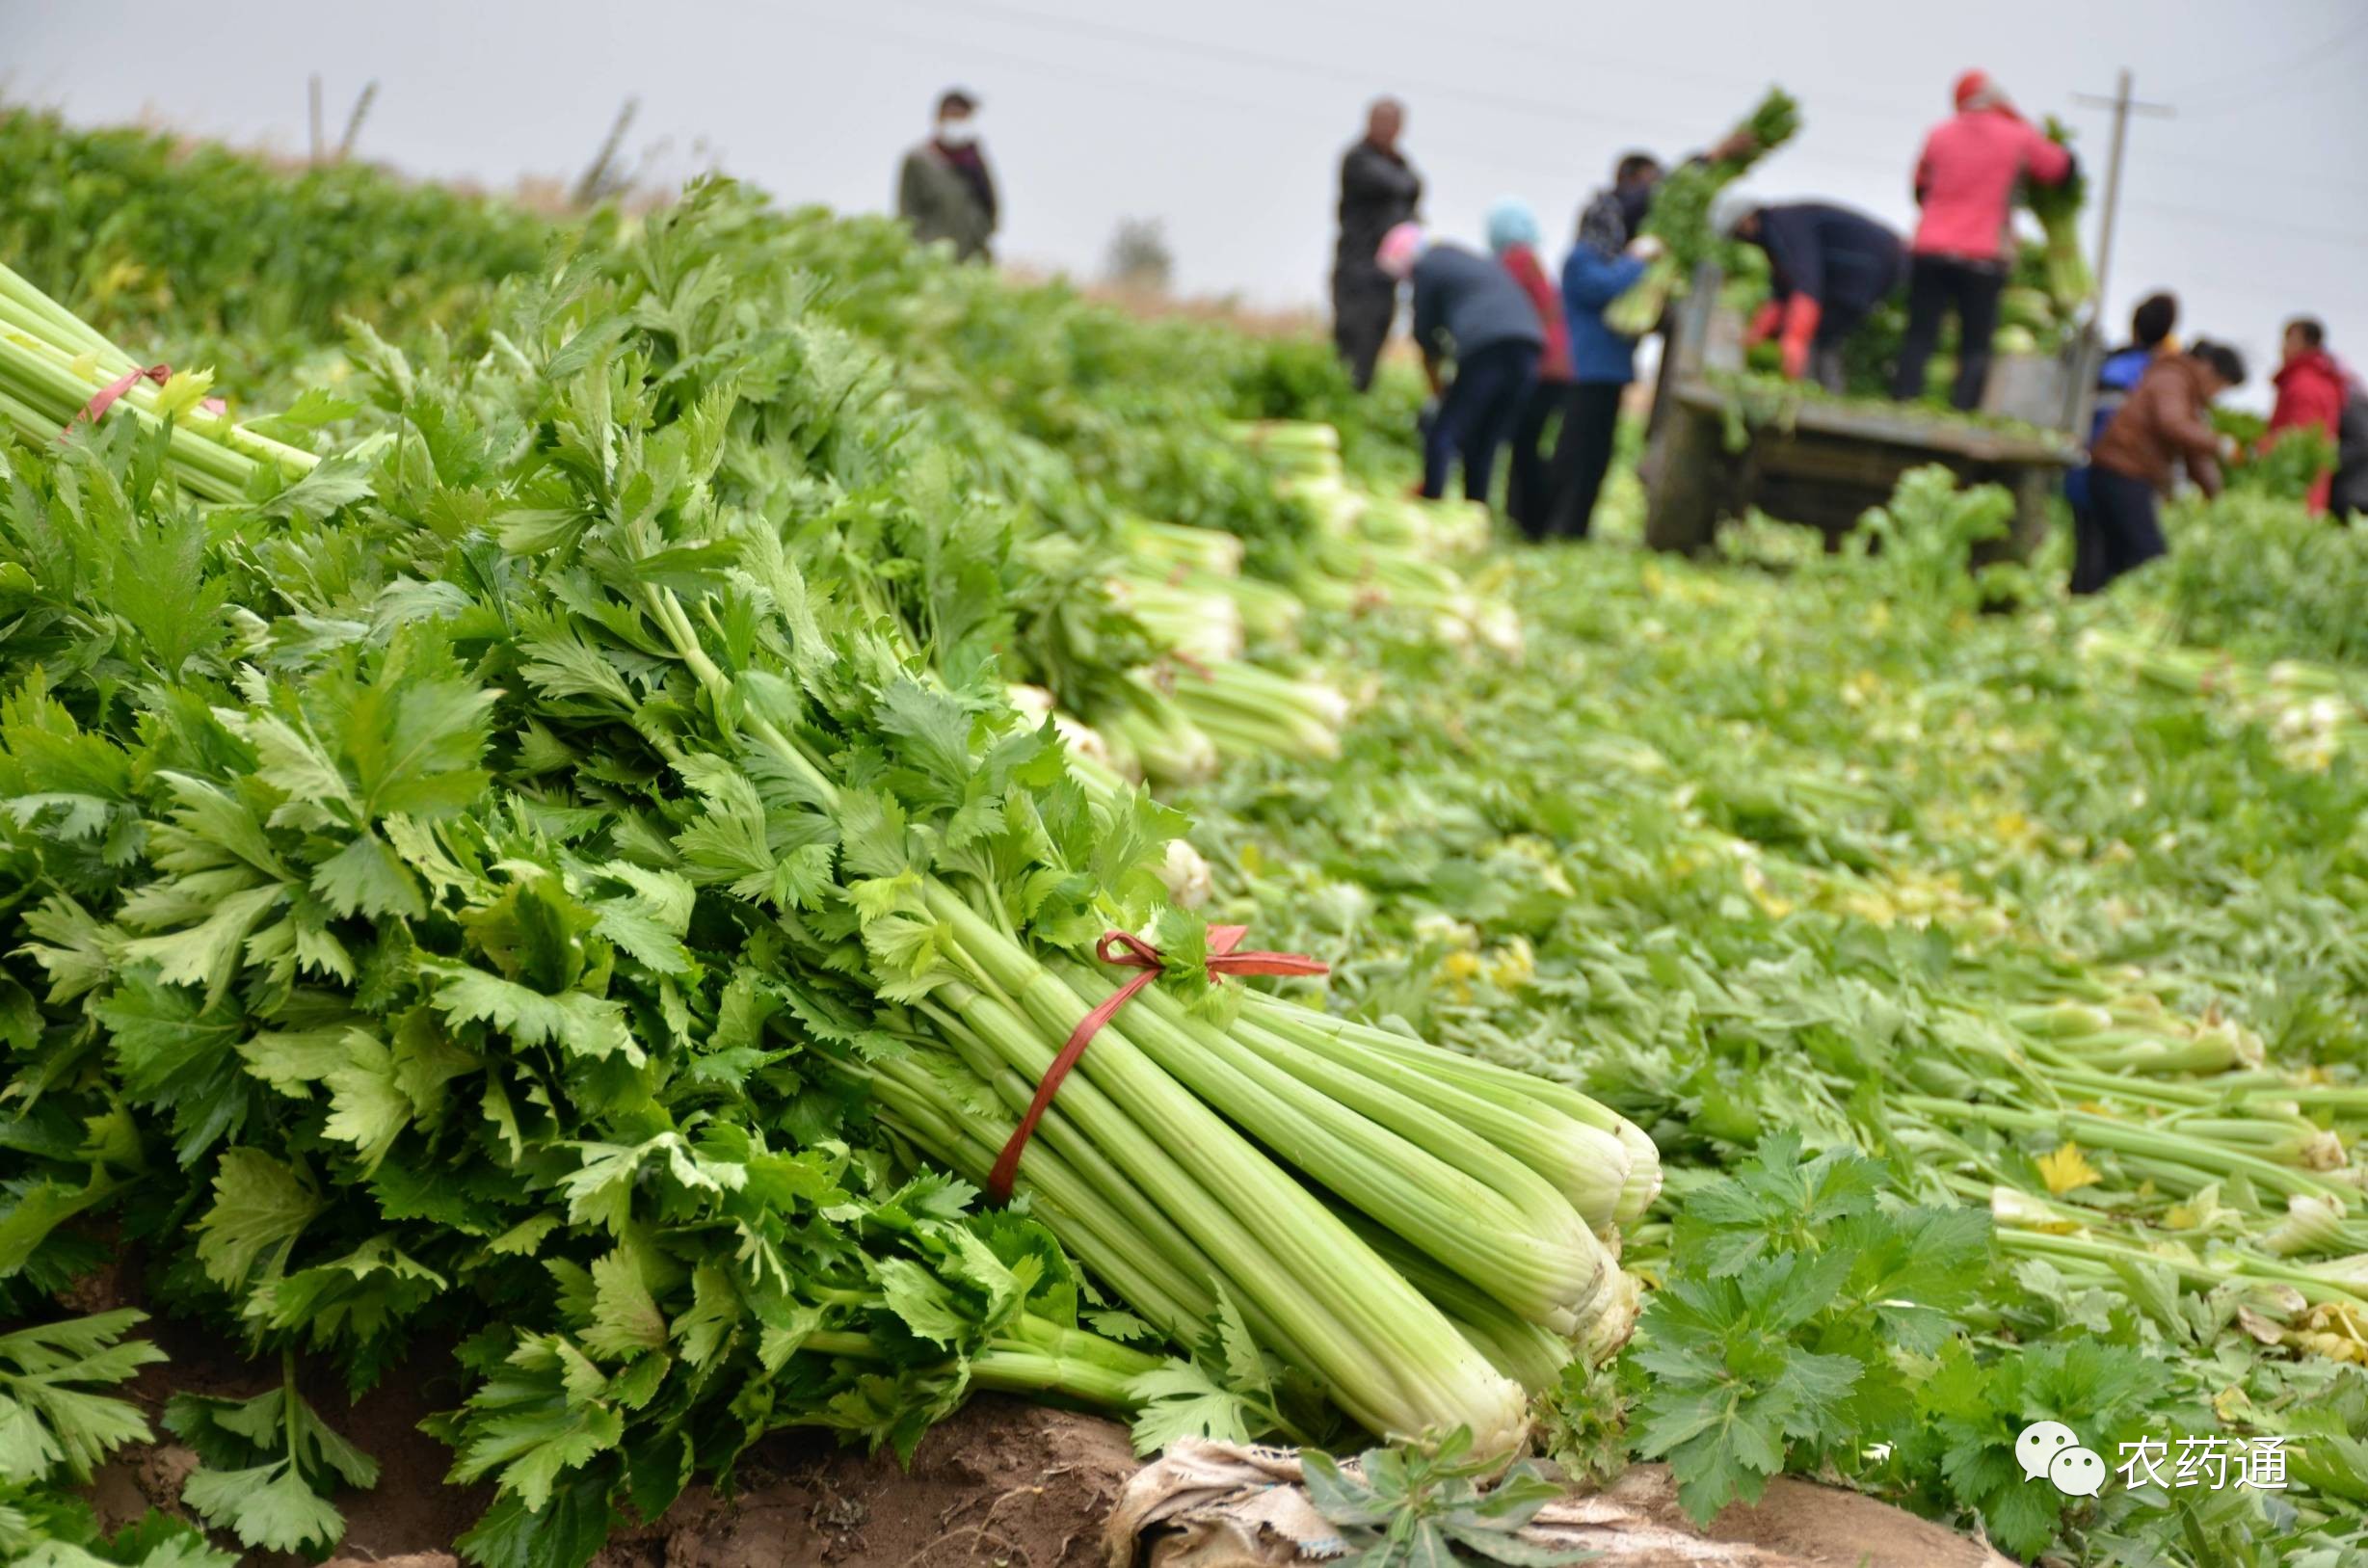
1824 463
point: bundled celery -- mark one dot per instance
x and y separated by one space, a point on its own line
1680 217
2057 207
53 366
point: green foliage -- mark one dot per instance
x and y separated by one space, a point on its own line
427 909
2284 467
266 1466
1404 1506
2263 577
41 1528
1785 1336
53 1417
166 244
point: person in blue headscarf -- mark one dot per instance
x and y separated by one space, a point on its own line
1529 492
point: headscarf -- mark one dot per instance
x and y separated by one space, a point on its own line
1730 207
1975 89
1400 248
1511 223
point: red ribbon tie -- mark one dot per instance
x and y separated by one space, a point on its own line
1130 951
116 388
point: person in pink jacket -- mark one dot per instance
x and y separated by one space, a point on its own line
1965 183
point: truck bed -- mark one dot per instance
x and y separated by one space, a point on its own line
1900 426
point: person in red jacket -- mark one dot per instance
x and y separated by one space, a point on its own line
1528 496
2310 394
1965 183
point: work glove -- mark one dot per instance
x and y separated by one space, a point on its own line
1763 324
1801 318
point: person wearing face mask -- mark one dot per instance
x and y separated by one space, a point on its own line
1611 254
1607 258
945 191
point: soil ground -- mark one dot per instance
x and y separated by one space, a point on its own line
1003 1482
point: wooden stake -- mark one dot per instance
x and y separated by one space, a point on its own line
595 183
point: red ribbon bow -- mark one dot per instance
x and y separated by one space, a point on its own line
116 388
1125 948
105 397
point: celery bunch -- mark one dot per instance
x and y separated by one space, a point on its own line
1680 217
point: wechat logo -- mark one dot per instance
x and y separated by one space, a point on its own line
2053 1450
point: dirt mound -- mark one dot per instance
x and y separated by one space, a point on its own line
1812 1526
1228 1505
1003 1481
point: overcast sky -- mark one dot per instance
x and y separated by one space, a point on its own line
1225 119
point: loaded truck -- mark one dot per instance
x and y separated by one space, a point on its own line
1823 462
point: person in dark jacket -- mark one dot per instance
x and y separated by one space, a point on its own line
2164 426
2116 377
1380 190
1467 308
945 190
1829 266
1528 492
2348 496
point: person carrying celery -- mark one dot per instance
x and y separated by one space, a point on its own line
1965 182
1607 260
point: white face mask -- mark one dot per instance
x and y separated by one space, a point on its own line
958 133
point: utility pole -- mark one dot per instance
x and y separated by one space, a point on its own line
352 122
313 95
2123 106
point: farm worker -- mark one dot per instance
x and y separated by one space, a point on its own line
2347 495
1829 267
1609 256
1965 183
1466 307
2164 426
2117 376
945 191
1512 234
2310 394
1380 190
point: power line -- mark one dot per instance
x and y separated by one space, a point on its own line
2269 225
1494 158
1560 112
2319 54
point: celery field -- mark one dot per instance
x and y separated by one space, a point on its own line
701 825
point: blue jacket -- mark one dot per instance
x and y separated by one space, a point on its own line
1469 299
1591 280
